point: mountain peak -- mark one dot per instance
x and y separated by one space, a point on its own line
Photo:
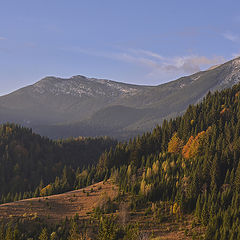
78 76
236 61
79 86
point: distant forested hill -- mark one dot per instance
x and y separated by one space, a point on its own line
27 159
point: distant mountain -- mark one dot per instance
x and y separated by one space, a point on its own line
58 107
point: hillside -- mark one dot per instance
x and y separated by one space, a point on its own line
81 106
191 163
29 161
182 180
54 209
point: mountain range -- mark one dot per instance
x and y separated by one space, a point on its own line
81 106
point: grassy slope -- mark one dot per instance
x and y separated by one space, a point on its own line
56 207
53 209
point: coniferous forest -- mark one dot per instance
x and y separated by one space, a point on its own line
188 166
29 162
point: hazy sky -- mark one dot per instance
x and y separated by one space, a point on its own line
135 41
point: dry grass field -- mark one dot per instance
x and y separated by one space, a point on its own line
57 207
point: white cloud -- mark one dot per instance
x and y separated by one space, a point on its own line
156 66
146 53
161 69
183 65
126 57
231 36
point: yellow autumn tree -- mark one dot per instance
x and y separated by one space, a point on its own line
165 166
129 170
148 189
149 173
142 186
175 145
175 208
155 167
45 191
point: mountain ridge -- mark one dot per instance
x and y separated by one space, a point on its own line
75 104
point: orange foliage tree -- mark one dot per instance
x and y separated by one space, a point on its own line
194 145
186 148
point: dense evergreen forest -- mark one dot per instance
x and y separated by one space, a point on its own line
190 163
28 162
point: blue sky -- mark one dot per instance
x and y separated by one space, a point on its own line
143 42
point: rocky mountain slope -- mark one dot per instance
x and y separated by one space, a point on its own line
58 107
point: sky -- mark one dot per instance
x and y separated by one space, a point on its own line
147 42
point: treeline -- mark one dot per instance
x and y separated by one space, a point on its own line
99 227
29 162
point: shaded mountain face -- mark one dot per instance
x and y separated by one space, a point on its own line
60 108
53 100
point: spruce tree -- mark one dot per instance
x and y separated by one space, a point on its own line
2 232
9 233
237 178
198 210
204 215
43 235
73 235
